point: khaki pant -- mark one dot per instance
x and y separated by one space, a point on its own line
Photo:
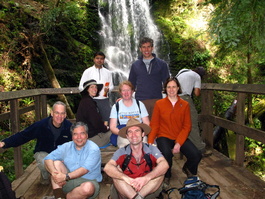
101 139
195 133
149 105
39 157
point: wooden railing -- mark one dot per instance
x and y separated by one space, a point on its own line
238 126
207 119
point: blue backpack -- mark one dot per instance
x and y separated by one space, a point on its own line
194 188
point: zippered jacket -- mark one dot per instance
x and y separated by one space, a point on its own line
149 85
42 133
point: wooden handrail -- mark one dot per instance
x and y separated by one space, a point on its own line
238 88
206 118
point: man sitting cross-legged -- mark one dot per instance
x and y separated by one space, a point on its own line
137 169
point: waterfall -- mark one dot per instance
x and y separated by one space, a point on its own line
124 22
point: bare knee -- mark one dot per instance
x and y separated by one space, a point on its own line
87 188
59 165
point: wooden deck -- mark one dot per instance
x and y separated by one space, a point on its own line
234 182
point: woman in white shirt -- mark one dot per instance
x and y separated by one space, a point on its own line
127 107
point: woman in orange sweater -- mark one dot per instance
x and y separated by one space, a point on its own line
171 125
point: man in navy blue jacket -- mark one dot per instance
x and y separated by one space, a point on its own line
148 74
48 132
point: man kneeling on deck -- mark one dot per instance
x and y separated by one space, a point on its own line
75 167
137 169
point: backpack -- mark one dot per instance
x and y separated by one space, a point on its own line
113 137
128 158
194 188
6 191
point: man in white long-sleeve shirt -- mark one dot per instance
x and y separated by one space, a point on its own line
103 76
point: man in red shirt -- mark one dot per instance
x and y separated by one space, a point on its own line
137 169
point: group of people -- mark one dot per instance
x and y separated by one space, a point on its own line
148 130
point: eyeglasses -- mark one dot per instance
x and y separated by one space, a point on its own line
57 113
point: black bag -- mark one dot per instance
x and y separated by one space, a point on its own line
194 188
6 191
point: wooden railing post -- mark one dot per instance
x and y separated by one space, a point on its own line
207 109
37 102
240 139
15 127
44 106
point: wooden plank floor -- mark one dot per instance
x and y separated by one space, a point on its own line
234 182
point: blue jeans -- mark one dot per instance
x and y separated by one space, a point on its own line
193 155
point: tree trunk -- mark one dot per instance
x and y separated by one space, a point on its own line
249 96
57 3
54 82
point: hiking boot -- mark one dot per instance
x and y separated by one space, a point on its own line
166 183
44 181
206 152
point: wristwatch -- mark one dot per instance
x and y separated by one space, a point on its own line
67 177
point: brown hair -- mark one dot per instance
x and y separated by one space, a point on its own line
146 40
169 80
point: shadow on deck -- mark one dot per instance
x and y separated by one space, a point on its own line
234 182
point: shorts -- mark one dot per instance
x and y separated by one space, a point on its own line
71 184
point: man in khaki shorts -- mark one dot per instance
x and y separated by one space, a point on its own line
75 167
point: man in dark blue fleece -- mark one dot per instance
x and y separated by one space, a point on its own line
48 132
148 74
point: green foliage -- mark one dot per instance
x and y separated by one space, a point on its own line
200 58
237 27
14 75
71 39
186 50
79 21
27 101
68 32
255 157
7 158
236 24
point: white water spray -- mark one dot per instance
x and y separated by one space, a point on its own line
124 22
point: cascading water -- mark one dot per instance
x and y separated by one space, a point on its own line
124 22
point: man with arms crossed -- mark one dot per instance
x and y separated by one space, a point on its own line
137 169
75 167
